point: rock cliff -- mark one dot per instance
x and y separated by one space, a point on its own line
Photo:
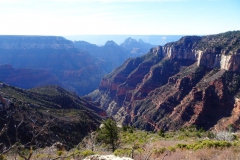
194 81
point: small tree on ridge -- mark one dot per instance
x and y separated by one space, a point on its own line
108 134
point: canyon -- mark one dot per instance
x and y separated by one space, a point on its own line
30 61
194 81
113 54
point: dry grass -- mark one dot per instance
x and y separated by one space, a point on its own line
203 154
150 146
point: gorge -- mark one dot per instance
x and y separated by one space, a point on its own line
194 81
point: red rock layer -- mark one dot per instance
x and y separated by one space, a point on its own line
177 85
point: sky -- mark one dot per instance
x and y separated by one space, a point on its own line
118 17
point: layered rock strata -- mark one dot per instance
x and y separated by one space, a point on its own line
193 81
56 57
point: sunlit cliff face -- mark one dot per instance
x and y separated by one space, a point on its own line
180 84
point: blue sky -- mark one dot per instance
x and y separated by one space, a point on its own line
118 17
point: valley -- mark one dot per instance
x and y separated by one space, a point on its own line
194 81
31 61
178 100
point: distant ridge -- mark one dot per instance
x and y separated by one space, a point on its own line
112 53
55 56
100 40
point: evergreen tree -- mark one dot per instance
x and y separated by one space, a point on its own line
108 134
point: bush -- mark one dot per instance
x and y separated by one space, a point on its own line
172 149
124 128
130 130
181 146
225 136
41 156
161 133
2 157
181 137
205 144
87 153
59 153
201 130
210 135
123 152
231 128
159 151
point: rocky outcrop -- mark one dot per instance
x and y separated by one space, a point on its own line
193 81
214 51
209 58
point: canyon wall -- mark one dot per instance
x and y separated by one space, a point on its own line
194 81
53 57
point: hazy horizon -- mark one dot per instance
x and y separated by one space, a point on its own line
102 39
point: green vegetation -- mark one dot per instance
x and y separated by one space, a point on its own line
87 153
205 144
143 145
3 157
108 134
42 116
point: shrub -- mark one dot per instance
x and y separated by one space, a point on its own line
172 149
230 128
87 153
210 135
181 146
201 130
59 153
123 152
130 130
161 133
3 157
181 137
225 136
205 144
41 156
198 135
124 128
159 151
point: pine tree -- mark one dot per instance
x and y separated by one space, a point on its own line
108 134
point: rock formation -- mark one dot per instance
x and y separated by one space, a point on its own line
194 81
